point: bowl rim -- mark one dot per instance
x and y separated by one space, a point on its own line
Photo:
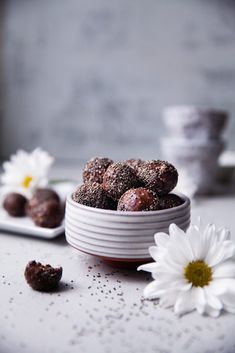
186 204
195 108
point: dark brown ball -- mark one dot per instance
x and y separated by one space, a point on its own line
119 178
95 168
48 214
92 194
14 204
170 201
159 176
41 195
42 277
134 164
139 199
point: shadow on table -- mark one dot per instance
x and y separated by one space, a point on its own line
100 269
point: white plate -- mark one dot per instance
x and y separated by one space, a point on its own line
25 226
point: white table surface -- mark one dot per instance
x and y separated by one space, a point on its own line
99 308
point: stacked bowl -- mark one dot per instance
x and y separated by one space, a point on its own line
117 236
194 143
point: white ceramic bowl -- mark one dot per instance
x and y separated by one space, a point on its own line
192 122
198 158
116 235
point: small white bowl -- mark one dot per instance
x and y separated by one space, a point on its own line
192 122
118 236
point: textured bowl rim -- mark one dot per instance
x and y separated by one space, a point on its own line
186 204
195 108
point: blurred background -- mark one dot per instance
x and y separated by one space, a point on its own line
86 78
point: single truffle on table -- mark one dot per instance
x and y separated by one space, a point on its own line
170 201
42 277
119 178
139 199
93 195
41 195
95 168
14 204
48 214
159 176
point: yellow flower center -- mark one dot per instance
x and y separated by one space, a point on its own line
198 273
26 182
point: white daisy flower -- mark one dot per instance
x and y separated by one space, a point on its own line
193 270
25 172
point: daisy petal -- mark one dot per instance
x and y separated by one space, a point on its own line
200 225
212 300
224 270
223 234
180 253
200 300
194 238
220 286
184 303
207 239
228 300
151 267
220 252
161 239
155 252
171 279
153 290
180 244
168 299
175 232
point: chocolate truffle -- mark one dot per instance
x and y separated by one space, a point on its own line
134 164
41 195
139 199
159 176
14 204
169 201
92 194
42 277
119 178
95 168
48 214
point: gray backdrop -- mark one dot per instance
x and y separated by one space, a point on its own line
85 78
